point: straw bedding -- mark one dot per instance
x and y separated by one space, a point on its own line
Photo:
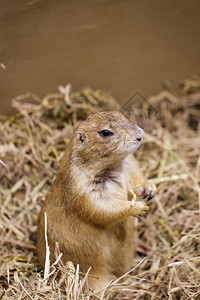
32 142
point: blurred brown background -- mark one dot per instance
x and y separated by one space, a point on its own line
118 45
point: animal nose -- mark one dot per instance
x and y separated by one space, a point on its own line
139 133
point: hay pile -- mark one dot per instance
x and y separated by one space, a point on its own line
32 142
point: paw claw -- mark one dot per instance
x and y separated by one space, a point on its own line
147 192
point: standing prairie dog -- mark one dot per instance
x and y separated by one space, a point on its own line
88 207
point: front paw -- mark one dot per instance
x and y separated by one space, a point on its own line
139 208
146 191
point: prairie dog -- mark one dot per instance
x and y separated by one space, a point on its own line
88 209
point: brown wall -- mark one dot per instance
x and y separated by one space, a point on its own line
122 46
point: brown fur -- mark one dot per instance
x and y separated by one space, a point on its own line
88 212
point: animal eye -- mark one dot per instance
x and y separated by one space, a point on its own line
105 133
81 139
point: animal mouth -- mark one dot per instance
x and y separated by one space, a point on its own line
134 145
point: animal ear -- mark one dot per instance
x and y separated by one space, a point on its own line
80 137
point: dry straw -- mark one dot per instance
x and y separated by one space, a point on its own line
32 142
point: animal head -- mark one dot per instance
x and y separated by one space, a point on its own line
106 137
